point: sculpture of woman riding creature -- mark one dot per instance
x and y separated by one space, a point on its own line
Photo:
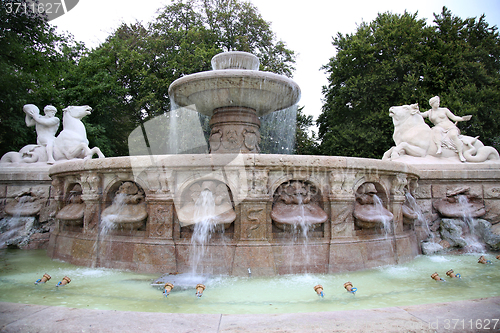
445 132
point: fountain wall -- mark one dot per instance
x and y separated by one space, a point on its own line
253 240
440 184
26 194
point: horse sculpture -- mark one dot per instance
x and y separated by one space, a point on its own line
413 137
71 143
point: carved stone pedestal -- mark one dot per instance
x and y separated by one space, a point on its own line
234 129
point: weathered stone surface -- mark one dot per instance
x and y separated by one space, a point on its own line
16 231
451 231
490 238
429 248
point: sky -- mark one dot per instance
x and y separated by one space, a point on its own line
307 27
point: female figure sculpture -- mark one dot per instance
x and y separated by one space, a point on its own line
444 128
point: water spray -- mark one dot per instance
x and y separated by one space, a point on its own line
452 275
199 290
436 277
483 260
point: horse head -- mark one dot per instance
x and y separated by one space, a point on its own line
78 112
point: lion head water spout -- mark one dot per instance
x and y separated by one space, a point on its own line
295 205
72 214
369 209
128 210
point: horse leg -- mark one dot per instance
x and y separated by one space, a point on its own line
74 152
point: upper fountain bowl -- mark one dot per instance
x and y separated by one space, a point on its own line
235 60
235 82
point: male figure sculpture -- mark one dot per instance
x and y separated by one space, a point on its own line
46 127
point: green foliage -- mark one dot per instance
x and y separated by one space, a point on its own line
125 80
305 142
398 59
112 79
33 60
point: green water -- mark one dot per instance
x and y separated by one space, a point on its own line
98 288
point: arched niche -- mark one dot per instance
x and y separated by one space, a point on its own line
297 206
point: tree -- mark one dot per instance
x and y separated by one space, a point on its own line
398 59
113 79
305 141
126 79
33 59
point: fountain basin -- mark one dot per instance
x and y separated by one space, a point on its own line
253 240
263 92
72 214
235 81
28 208
109 289
234 94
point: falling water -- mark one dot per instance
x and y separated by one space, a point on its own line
11 227
473 243
203 229
278 131
172 134
300 235
420 216
466 215
379 207
107 224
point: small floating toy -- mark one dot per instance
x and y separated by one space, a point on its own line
452 275
65 280
482 260
319 290
45 278
348 286
167 288
436 277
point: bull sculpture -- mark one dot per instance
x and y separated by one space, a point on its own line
413 137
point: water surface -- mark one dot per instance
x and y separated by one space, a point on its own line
110 289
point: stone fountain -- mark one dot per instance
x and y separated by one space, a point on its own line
257 199
354 211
